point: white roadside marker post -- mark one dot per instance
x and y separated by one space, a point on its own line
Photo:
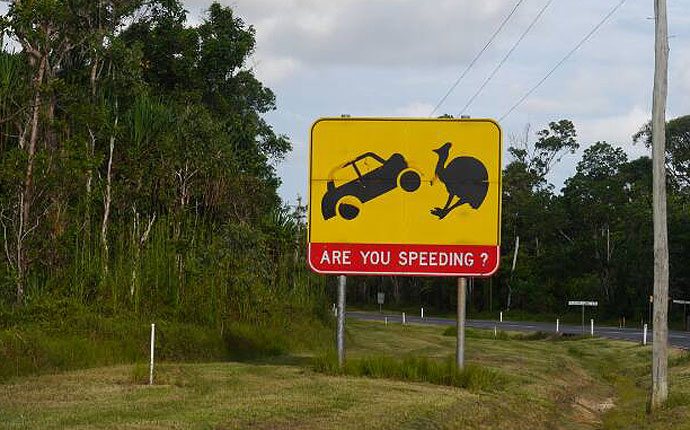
644 335
591 327
501 317
557 322
495 332
385 320
403 318
153 343
422 313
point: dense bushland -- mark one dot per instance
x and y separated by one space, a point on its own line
138 185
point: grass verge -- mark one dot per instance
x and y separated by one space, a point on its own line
586 383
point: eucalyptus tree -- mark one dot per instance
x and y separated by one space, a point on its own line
677 149
527 195
594 197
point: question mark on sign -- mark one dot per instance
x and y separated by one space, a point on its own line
485 258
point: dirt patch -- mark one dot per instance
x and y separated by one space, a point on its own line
589 411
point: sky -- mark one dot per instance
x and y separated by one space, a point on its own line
399 57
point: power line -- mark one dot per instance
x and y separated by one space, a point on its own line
469 66
498 67
565 58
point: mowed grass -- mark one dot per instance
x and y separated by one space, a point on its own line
544 384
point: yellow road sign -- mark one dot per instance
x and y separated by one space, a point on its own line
405 196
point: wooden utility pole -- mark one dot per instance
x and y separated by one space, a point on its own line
660 341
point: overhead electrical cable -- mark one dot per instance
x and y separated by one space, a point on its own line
505 58
564 59
474 60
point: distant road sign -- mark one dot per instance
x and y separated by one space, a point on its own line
392 196
682 302
581 303
380 297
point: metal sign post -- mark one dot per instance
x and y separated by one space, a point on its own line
460 347
340 334
583 304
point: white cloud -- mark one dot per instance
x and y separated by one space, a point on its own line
617 129
273 70
414 109
370 32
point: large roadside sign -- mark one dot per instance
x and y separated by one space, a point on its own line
392 196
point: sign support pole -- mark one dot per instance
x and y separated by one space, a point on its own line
460 349
583 320
340 331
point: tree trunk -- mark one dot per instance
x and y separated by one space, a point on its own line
139 240
660 342
26 194
107 199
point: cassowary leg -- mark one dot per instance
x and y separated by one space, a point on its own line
441 213
458 203
450 199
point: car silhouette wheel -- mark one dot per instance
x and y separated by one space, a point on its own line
348 210
409 180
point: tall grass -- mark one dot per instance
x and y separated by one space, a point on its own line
419 369
95 341
189 268
237 290
89 340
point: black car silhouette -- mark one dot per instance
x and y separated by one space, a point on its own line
392 173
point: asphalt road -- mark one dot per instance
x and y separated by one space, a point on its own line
678 339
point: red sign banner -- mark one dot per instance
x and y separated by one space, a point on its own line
403 259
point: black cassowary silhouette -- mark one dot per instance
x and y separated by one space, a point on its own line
464 177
